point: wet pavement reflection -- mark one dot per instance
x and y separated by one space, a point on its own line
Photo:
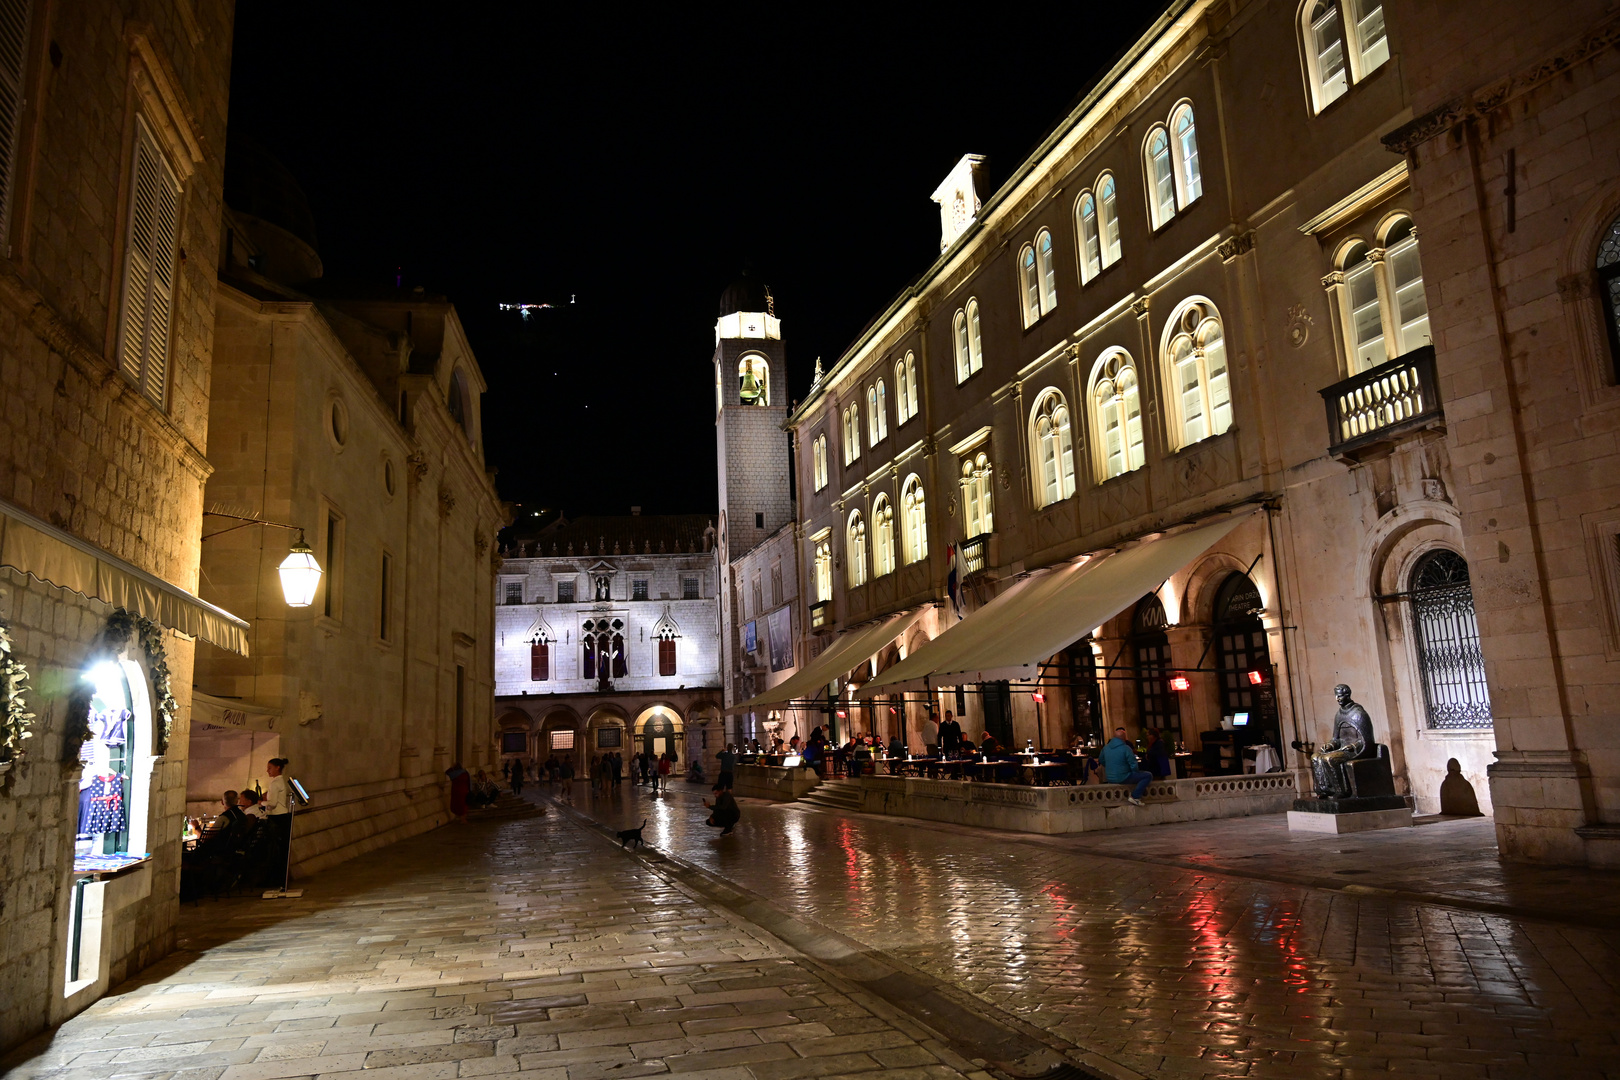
1172 971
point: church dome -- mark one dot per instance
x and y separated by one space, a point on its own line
744 294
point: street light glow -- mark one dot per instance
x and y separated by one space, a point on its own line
300 575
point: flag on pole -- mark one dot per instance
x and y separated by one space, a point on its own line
953 578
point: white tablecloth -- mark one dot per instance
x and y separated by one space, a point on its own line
1265 759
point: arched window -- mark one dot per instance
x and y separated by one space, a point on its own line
852 432
882 536
754 380
1366 313
1118 416
819 463
1450 664
1161 178
1107 198
977 519
1048 269
1608 277
1411 307
855 549
1195 359
1030 284
1189 178
1053 446
880 411
914 520
974 342
665 634
1090 237
871 415
823 563
901 383
1334 59
539 659
1240 649
959 335
911 385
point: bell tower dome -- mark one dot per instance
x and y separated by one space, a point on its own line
751 406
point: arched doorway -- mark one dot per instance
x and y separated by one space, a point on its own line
660 729
1157 707
1242 660
605 731
1085 692
1451 666
512 732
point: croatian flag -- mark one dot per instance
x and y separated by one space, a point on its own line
953 579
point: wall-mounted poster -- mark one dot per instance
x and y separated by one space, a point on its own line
779 631
609 736
750 637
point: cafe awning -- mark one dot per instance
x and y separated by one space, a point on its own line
41 550
852 648
1012 635
232 713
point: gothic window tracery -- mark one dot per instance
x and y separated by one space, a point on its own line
1195 364
1117 404
914 519
1052 443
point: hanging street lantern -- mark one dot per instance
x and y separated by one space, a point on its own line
300 575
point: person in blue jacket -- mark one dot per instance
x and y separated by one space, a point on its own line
1120 767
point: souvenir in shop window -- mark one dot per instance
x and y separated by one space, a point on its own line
104 783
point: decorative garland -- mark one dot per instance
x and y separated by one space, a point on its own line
121 626
14 714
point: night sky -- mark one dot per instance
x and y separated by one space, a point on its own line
624 165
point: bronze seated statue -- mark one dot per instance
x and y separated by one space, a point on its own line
1352 770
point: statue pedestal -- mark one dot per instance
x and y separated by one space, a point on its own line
1349 815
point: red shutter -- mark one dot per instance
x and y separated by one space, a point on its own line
539 662
666 657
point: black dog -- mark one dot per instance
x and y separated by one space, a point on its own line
627 837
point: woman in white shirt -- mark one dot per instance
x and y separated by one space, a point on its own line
278 818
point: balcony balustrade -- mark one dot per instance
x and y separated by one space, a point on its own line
1367 412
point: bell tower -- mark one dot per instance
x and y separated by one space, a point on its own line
751 405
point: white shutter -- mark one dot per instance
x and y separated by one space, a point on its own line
13 43
149 258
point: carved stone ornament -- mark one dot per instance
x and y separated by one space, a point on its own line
480 542
1234 246
1006 477
447 501
1299 326
1139 306
418 464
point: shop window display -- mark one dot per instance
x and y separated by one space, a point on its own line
117 711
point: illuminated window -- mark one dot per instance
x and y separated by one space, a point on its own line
1048 269
911 385
1195 362
852 432
818 453
1161 178
1411 307
1117 416
150 251
1334 59
877 413
1090 237
1189 178
823 569
905 398
1052 444
977 518
1029 278
1108 197
965 335
882 536
1378 292
855 549
975 348
754 380
1366 320
914 520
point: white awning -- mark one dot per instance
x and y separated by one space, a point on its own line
844 653
1012 635
59 558
232 713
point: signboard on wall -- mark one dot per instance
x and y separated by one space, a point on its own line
779 631
750 637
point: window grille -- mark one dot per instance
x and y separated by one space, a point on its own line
514 592
1608 274
1450 663
689 588
565 592
638 589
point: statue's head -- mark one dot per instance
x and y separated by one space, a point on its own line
1342 692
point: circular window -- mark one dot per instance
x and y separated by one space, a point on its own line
390 482
337 423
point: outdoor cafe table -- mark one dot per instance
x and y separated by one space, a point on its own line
1044 773
945 768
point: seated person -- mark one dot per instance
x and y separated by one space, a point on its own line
1158 757
1090 771
897 754
988 745
252 805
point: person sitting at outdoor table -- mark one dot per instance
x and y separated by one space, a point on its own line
1158 757
897 754
1121 767
988 744
251 806
1089 769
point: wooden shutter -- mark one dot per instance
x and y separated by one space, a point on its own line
666 657
13 44
539 662
149 257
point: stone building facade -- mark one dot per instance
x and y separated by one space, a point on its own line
1139 333
1512 145
607 638
355 418
111 166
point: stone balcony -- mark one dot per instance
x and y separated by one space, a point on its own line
1370 411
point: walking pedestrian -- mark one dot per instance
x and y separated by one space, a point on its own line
519 774
1120 767
728 765
666 765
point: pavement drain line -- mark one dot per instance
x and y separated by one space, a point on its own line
986 1036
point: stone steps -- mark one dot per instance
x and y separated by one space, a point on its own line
506 807
835 795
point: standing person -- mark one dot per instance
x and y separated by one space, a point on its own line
666 765
950 736
724 810
728 766
278 816
1120 767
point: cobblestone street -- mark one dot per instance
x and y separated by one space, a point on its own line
536 947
